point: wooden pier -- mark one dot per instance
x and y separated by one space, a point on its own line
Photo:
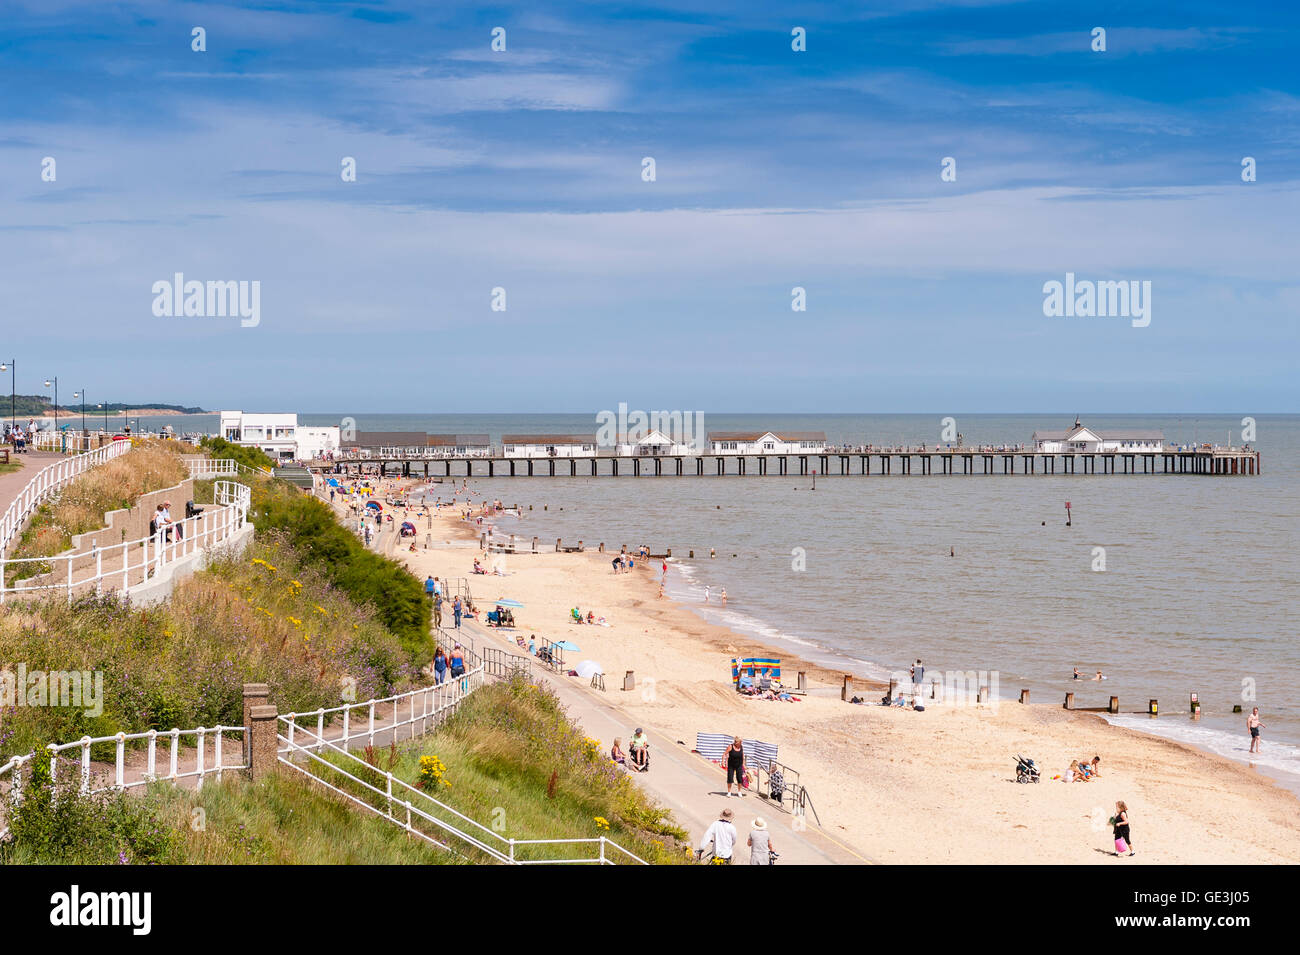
1217 462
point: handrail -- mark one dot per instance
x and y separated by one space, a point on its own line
134 562
173 757
437 694
47 482
479 836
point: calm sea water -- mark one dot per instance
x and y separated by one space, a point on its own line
1198 595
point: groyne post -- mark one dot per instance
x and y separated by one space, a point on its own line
847 689
1024 696
1069 701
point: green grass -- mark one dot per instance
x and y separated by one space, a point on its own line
262 618
511 760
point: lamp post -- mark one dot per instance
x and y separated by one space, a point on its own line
82 395
55 382
104 405
11 366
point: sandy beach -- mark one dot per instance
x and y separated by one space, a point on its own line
898 786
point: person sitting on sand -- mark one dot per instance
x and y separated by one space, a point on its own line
478 568
1090 767
591 617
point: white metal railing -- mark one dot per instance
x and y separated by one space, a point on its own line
179 760
429 704
130 563
217 467
420 814
47 482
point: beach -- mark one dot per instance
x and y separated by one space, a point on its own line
896 785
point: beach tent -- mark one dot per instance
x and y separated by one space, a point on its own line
567 645
587 668
408 526
753 668
375 504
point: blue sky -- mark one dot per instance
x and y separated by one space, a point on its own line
774 169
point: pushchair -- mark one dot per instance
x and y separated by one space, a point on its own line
1026 771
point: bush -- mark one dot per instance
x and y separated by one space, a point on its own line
249 457
309 527
58 825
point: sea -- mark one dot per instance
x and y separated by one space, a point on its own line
1170 585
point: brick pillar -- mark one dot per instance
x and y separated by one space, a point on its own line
262 757
255 694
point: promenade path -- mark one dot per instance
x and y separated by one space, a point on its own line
15 481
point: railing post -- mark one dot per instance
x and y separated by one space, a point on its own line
85 764
176 742
119 768
201 765
151 770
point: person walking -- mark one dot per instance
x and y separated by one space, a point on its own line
1254 725
722 836
437 610
439 666
760 845
1123 838
456 610
428 587
735 762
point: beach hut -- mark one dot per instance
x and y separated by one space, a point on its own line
767 442
548 445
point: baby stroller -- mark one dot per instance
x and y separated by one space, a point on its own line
1026 771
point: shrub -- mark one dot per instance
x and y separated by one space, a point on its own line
309 527
249 457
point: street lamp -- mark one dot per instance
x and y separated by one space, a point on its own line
11 366
104 405
82 395
56 404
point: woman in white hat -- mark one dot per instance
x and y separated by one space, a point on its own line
760 843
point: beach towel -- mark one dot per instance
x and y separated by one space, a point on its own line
713 747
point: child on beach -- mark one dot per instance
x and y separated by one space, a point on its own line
1123 840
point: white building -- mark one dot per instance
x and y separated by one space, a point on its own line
548 445
655 444
767 442
458 445
278 434
1084 440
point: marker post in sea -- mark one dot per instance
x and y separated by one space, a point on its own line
1067 514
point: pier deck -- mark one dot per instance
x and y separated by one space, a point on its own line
1218 462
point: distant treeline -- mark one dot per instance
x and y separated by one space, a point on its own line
41 405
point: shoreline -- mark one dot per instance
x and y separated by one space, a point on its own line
954 766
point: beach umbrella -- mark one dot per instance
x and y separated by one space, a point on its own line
505 602
587 668
567 645
375 504
408 526
333 482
